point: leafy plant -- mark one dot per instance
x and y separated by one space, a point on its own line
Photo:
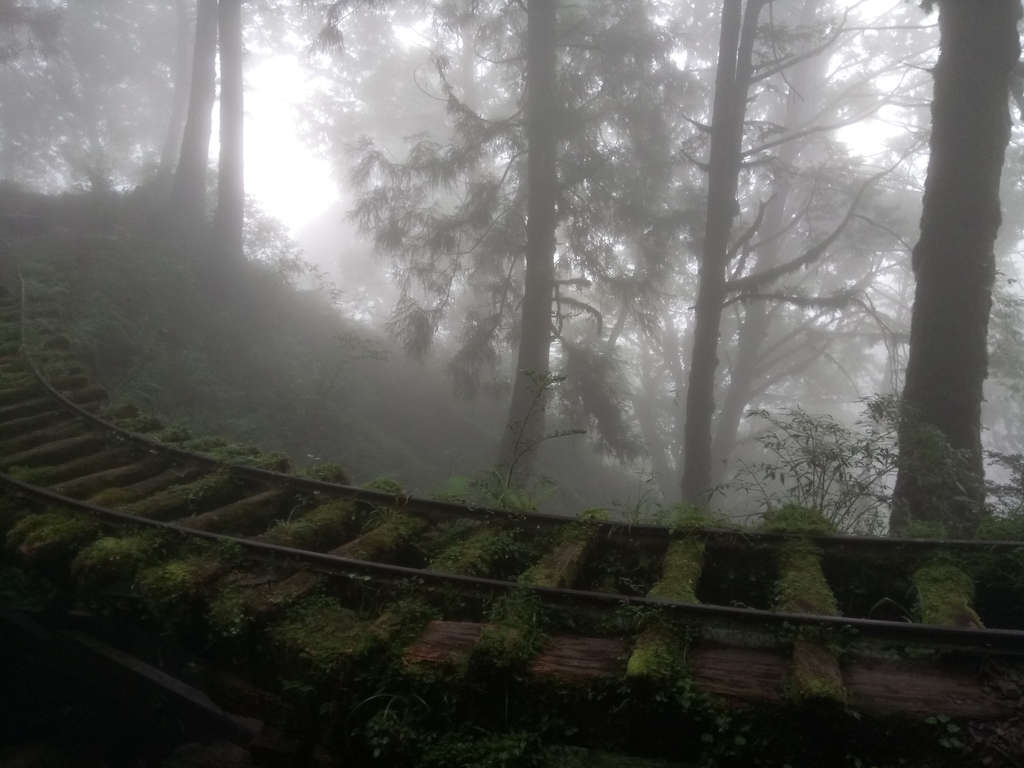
818 463
501 487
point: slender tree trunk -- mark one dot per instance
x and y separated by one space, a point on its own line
188 191
644 405
179 107
525 426
756 317
732 81
229 219
954 260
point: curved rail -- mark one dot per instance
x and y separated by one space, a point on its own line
438 508
989 640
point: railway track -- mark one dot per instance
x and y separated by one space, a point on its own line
223 542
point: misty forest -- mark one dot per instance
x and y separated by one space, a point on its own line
613 255
437 383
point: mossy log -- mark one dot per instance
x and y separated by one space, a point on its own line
19 426
247 600
324 636
319 529
56 452
48 540
384 542
945 594
47 434
244 517
89 485
86 465
473 555
114 559
175 476
564 561
680 571
802 588
208 492
658 654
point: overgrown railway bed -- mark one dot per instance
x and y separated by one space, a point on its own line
375 622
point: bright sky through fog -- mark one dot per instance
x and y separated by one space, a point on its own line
281 172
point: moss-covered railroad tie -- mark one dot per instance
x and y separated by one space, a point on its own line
659 651
802 588
560 566
945 595
390 532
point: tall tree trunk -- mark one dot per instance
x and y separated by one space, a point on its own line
188 191
756 317
525 426
179 107
732 82
229 219
954 261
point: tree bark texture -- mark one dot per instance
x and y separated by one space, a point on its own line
188 191
525 426
229 219
732 82
179 107
954 260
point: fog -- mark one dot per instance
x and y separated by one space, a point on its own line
482 270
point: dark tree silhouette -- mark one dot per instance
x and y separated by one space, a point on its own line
954 262
188 192
732 83
525 426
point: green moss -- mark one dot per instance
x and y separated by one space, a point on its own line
115 558
321 528
179 500
170 591
473 555
12 510
227 612
51 537
323 635
681 569
945 594
403 621
328 473
173 434
560 566
385 485
234 453
924 529
391 532
689 517
816 675
113 498
117 411
802 587
793 518
1003 528
241 602
658 654
501 646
